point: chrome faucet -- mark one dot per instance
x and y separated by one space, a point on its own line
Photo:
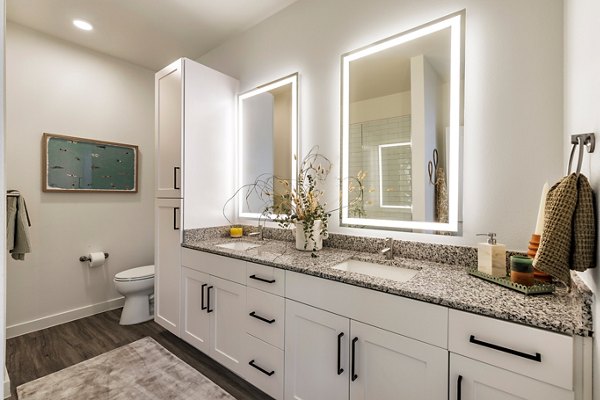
258 233
388 250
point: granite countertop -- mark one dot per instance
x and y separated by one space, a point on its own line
447 285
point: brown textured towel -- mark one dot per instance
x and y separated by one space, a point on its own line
583 252
569 237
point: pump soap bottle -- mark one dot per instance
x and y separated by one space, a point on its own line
491 256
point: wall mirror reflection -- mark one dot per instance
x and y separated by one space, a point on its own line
401 121
267 140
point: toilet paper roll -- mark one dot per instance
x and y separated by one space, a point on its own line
96 259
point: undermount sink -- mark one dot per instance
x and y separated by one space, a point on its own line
376 270
238 246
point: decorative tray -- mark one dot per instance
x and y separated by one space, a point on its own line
538 288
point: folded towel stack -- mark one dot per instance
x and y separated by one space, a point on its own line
569 238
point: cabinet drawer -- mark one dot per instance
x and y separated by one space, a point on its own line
265 316
264 366
265 278
533 352
231 269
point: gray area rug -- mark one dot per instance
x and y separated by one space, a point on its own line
141 370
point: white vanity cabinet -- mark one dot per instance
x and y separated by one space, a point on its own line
494 359
333 351
297 336
213 306
167 260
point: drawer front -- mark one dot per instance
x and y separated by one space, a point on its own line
264 367
415 319
265 316
228 268
533 352
265 278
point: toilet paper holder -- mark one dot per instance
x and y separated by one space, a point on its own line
87 258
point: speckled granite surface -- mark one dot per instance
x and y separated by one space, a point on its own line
445 284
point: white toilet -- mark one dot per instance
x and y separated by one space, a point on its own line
137 285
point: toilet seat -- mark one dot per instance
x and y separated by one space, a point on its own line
135 274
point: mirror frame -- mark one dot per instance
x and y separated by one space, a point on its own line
289 79
455 22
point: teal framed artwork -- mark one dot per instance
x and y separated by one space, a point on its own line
73 164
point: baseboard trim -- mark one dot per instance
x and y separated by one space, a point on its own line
6 384
61 318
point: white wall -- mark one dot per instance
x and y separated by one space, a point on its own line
513 99
582 115
56 87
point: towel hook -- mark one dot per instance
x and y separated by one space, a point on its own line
584 139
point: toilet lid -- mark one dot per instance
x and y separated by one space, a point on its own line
135 274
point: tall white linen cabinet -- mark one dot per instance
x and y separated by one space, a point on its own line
195 148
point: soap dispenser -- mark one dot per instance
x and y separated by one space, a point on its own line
491 256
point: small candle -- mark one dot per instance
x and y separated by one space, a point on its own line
236 232
539 226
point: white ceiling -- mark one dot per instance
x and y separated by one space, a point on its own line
150 33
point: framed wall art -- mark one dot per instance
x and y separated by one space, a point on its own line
73 164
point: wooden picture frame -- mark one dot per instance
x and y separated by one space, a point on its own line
74 164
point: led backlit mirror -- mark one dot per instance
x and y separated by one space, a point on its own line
401 123
267 140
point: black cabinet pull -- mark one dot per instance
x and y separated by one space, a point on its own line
354 376
208 309
340 370
262 279
202 290
459 388
175 227
537 357
264 371
175 169
268 321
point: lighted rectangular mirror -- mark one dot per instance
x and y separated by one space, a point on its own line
267 142
401 122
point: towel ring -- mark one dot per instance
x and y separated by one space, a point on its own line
584 139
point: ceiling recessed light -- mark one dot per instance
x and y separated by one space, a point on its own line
83 25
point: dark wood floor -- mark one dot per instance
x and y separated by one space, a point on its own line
40 353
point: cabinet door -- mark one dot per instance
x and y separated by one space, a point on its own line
384 364
226 307
195 320
474 380
169 117
314 368
167 260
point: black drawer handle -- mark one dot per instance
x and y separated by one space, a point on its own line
459 388
262 279
340 370
202 290
175 169
354 376
175 226
264 371
208 309
537 357
268 321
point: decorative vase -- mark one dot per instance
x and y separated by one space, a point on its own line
307 244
